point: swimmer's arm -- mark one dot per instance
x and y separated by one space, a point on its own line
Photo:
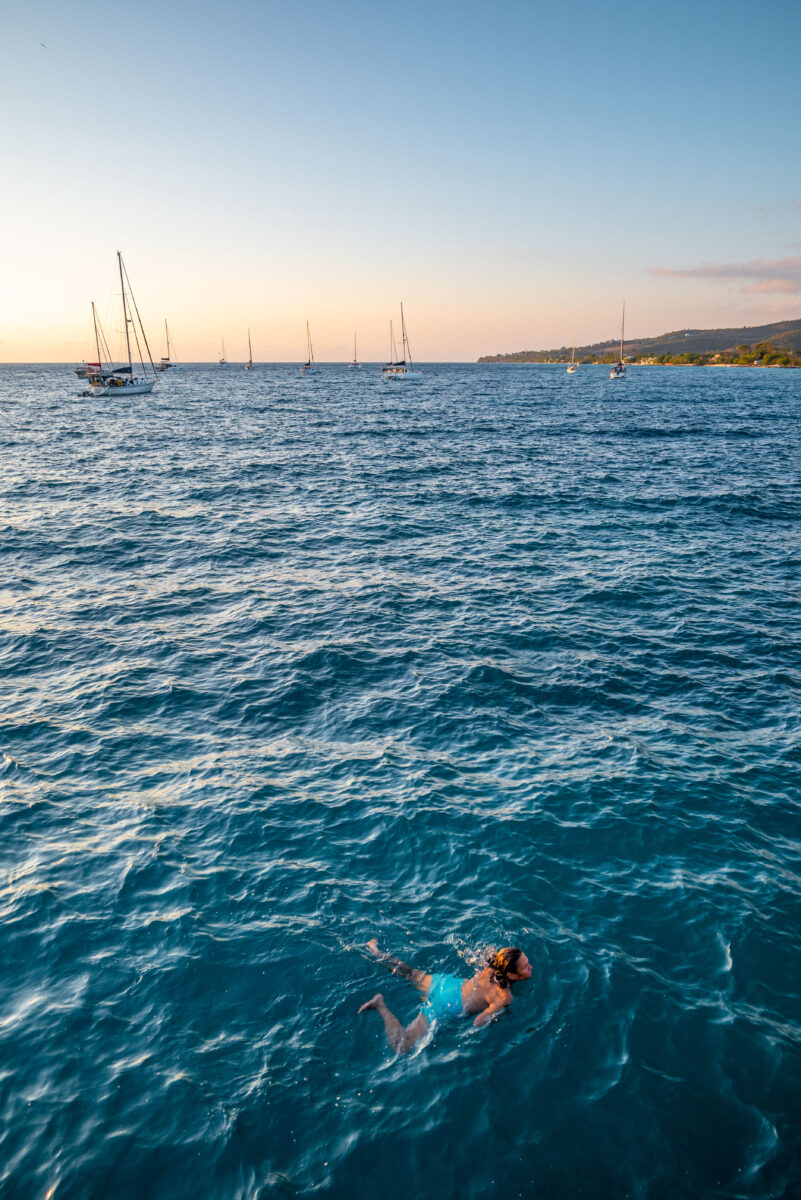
490 1013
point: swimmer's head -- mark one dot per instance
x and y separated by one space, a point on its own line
509 965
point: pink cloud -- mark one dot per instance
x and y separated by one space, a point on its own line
788 286
760 275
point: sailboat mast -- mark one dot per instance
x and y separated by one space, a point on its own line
407 350
622 330
97 339
125 316
167 334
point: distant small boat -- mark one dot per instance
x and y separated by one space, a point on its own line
571 370
222 361
249 363
166 363
309 367
619 369
355 362
101 347
122 381
86 369
397 370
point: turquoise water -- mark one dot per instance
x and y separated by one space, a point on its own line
504 657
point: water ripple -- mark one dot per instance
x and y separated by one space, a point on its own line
291 662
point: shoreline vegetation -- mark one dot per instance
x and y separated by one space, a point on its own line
777 345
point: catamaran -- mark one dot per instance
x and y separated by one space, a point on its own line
122 381
249 363
396 369
222 361
355 362
619 369
309 366
571 370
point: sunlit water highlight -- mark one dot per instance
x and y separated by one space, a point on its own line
504 656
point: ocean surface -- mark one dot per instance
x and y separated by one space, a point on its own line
502 657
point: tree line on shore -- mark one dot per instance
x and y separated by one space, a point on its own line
760 354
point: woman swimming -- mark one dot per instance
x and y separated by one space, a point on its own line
448 996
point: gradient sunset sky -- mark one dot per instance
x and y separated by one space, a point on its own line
507 170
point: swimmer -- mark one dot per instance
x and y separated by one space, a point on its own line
446 997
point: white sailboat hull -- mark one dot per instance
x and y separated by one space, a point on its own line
137 387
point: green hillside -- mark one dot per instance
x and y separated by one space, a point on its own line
745 344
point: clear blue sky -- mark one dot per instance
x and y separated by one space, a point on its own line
508 171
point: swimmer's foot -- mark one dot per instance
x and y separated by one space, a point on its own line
400 1039
376 1002
372 946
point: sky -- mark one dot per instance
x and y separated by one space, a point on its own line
509 171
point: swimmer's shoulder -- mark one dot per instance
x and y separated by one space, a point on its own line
491 991
501 996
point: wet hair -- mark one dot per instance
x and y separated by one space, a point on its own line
501 962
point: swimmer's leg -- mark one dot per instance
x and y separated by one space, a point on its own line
400 1039
419 979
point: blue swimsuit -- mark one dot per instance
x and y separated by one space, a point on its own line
444 999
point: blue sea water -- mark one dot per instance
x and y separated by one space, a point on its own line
503 657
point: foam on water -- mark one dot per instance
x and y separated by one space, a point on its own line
291 662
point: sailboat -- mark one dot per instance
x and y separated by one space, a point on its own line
101 347
249 363
166 362
123 382
309 366
396 368
355 362
222 361
619 369
571 370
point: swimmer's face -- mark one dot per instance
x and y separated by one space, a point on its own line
523 970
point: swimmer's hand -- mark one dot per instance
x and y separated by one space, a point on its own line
372 946
490 1013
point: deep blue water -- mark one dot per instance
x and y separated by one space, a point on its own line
503 657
